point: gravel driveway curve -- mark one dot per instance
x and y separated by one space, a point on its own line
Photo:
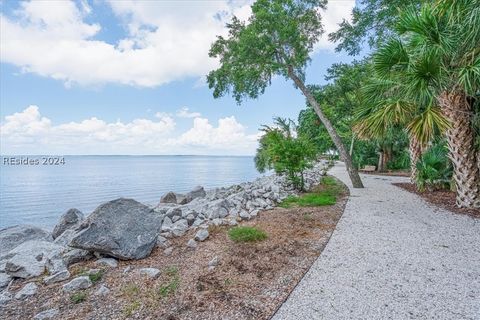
392 256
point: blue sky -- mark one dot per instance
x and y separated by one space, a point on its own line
121 77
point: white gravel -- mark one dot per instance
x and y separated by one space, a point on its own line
392 256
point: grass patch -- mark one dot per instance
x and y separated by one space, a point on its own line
130 308
131 290
169 288
329 181
173 282
78 297
95 277
246 234
324 195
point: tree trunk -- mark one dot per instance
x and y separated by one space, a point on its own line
416 150
380 167
462 153
352 172
351 144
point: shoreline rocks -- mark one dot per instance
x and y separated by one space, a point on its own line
126 229
122 228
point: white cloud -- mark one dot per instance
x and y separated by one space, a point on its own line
185 113
28 132
165 40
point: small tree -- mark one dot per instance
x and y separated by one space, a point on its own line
285 153
277 40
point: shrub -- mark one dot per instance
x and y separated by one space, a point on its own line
95 277
434 170
246 234
78 297
281 150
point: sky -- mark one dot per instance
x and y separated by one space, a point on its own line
128 77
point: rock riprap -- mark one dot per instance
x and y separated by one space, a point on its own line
69 220
32 258
12 237
122 228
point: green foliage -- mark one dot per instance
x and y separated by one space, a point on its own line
309 200
78 297
130 308
327 195
434 169
169 288
278 38
95 277
172 284
281 151
400 162
373 21
246 234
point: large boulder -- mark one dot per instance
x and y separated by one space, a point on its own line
169 197
12 237
197 192
32 258
122 228
69 220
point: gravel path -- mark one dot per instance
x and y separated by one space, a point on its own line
392 256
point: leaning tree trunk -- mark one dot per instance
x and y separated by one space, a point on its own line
462 153
352 172
416 150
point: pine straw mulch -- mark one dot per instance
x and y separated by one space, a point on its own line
441 198
250 282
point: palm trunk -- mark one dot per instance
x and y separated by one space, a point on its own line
352 172
462 153
416 150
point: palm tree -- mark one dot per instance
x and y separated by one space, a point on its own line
385 108
438 58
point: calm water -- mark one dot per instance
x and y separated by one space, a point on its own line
39 194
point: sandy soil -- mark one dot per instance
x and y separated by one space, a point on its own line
250 282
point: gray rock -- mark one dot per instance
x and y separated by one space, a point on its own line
57 277
69 220
217 222
102 291
108 262
244 215
172 212
27 291
30 259
167 224
214 262
175 218
163 242
197 192
217 209
65 238
169 197
12 237
190 219
182 199
192 244
201 235
47 314
180 227
151 273
4 280
122 228
127 269
168 251
254 213
76 255
76 284
5 297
